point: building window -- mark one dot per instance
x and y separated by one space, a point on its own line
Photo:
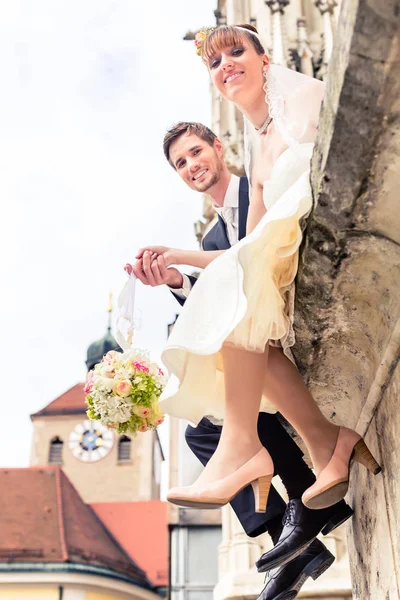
194 562
55 451
124 449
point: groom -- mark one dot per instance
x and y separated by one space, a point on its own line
196 154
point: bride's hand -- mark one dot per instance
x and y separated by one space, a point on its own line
171 256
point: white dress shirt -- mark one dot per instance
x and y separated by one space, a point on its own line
229 212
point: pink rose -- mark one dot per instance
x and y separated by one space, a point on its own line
139 366
143 411
122 387
89 383
158 421
143 428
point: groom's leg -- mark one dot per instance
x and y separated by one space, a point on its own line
287 456
203 441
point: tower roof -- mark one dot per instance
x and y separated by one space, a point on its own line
71 402
98 349
44 520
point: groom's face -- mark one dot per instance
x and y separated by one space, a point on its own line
199 164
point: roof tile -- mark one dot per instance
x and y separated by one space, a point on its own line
71 402
43 519
142 530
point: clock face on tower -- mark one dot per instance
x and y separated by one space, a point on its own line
90 441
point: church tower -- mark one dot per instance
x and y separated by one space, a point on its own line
102 465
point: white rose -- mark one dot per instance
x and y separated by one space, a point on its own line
104 384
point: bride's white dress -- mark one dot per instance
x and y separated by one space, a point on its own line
245 297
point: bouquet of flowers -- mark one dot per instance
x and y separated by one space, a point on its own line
122 392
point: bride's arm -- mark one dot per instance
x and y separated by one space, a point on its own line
195 258
174 256
256 209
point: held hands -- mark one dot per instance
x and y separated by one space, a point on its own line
152 267
171 256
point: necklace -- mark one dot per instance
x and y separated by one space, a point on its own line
264 126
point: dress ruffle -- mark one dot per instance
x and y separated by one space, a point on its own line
245 297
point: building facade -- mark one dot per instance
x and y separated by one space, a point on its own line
103 466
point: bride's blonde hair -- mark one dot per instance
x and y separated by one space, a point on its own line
230 35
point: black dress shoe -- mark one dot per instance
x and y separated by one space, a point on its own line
343 512
284 583
300 527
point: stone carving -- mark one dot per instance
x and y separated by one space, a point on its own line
348 294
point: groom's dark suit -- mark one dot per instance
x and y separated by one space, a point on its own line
204 438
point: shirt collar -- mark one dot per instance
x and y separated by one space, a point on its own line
232 195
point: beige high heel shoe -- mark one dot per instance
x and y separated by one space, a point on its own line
258 471
333 481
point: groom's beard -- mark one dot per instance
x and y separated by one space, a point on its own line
212 179
206 185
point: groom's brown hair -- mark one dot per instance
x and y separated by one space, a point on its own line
188 128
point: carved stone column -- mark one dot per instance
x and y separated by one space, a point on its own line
238 577
327 9
303 49
279 51
225 545
236 12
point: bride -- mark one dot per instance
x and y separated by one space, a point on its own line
243 301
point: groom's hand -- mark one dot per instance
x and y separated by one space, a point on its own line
152 270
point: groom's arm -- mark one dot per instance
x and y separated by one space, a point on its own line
188 282
183 292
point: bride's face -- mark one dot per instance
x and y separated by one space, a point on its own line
237 72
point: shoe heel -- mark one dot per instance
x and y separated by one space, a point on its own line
362 455
261 488
327 561
338 519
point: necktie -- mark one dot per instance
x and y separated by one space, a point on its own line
228 215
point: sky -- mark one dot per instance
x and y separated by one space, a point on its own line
89 88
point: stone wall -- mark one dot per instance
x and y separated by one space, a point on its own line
348 292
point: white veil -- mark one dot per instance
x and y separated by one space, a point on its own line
279 84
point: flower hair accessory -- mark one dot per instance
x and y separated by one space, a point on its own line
201 37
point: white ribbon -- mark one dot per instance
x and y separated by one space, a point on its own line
126 306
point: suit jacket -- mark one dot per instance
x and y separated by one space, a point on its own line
216 238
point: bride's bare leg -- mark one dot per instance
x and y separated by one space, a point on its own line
244 374
247 375
286 390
